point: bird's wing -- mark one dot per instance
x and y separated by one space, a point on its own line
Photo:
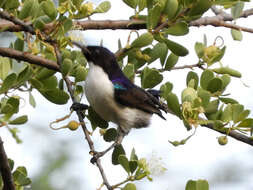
136 97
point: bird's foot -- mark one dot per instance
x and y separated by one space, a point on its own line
97 155
79 107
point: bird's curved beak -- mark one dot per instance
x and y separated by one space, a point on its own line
82 47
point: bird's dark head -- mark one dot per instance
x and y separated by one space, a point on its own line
99 56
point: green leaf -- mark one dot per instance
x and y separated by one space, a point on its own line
205 96
19 44
39 23
20 176
66 66
142 4
247 123
178 29
192 76
199 49
171 8
242 116
144 40
36 83
81 74
8 82
133 165
96 120
32 100
11 4
5 67
24 74
214 85
228 100
67 24
49 9
117 151
200 7
19 121
129 186
205 78
227 70
166 89
237 9
103 7
131 3
197 185
171 61
160 50
173 104
110 135
237 109
189 94
123 161
225 81
44 73
154 16
176 48
133 155
50 83
212 107
150 78
129 71
26 9
11 163
236 35
56 96
227 114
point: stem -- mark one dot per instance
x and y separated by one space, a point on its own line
5 169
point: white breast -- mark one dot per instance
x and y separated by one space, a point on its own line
99 91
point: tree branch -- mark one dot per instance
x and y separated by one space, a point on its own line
5 169
25 56
123 24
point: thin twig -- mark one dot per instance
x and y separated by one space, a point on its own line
5 169
80 117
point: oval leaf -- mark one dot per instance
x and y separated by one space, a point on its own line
56 96
178 29
150 78
214 85
110 135
118 150
20 120
8 82
144 40
123 161
173 104
176 48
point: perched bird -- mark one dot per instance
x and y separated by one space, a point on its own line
113 96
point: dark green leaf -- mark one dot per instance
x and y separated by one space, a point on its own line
50 83
20 120
133 165
110 135
228 100
214 85
56 96
131 3
118 150
123 161
150 78
192 75
200 7
8 82
144 40
44 73
160 50
96 120
171 61
178 29
205 78
154 16
170 8
173 104
176 48
166 89
129 71
19 44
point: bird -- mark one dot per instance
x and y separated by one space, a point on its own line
113 96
